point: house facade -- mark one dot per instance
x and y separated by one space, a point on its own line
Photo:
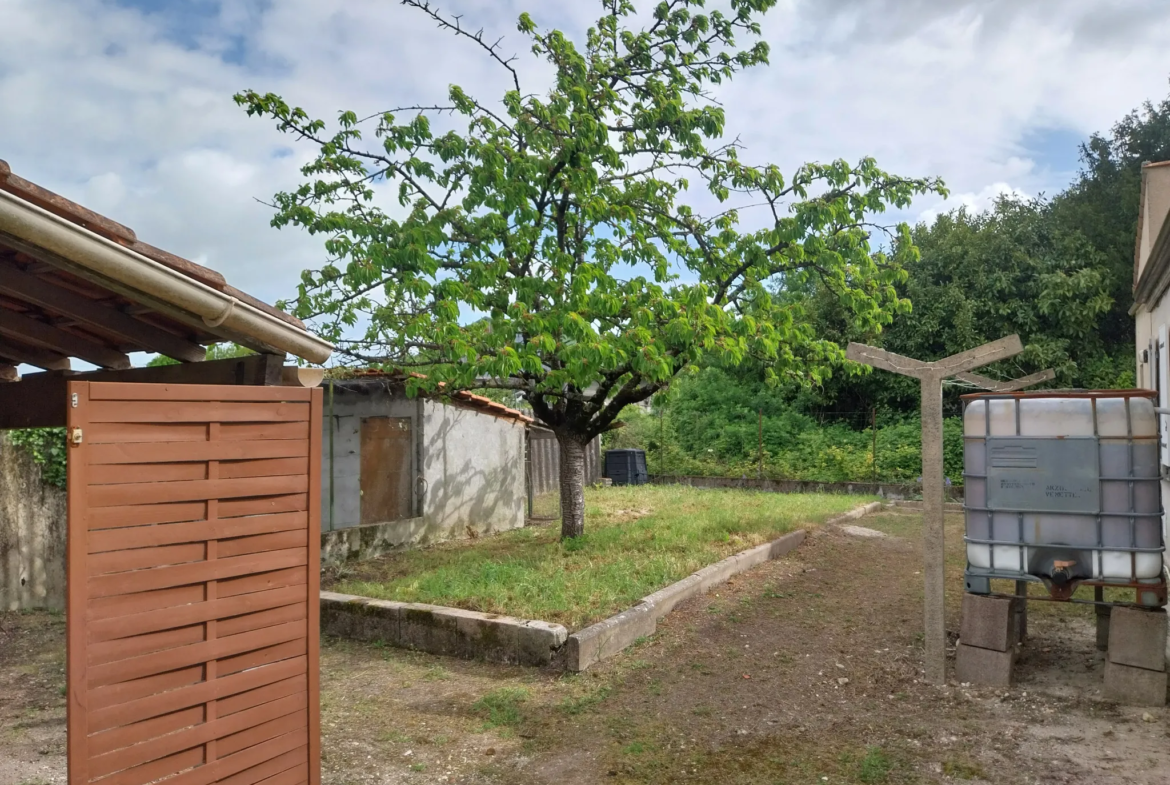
1151 308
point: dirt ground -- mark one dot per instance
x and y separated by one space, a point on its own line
804 670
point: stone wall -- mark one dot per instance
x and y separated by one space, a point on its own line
33 525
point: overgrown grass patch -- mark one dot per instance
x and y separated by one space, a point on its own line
637 540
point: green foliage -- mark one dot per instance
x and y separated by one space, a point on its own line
219 351
596 233
711 427
875 766
501 708
48 450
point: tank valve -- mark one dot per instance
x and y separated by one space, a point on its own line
1060 572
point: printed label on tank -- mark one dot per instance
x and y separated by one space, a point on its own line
1034 475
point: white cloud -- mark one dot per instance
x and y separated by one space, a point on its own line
103 104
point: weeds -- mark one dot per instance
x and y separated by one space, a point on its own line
501 708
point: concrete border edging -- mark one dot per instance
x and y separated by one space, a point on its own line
439 630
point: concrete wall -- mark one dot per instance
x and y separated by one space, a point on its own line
469 469
33 525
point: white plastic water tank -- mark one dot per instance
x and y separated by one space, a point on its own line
1063 486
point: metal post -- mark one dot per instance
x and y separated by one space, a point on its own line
873 427
760 469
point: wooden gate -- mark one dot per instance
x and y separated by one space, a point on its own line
193 577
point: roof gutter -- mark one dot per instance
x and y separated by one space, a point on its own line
86 249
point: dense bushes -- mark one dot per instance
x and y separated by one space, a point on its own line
710 426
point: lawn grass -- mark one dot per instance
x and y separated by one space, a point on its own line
637 540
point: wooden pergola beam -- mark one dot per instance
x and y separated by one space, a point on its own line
40 292
38 400
46 336
154 303
17 353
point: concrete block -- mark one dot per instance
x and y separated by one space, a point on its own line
1138 638
606 638
782 546
1103 615
989 622
663 601
1134 686
438 630
984 667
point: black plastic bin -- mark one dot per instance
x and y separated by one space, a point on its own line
626 467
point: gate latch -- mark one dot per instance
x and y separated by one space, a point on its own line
75 436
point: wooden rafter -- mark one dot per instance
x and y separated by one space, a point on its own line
40 292
155 304
19 353
46 336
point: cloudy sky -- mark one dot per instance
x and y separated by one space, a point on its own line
125 105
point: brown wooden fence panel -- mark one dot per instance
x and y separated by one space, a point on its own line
193 576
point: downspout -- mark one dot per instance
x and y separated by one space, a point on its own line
105 258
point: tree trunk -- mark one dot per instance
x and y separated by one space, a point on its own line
572 487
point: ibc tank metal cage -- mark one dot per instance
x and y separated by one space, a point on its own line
1063 488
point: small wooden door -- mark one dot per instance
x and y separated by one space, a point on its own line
386 469
193 582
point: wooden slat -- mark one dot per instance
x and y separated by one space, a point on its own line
113 391
158 769
167 618
254 659
145 515
263 542
103 540
114 474
263 431
138 645
153 705
241 761
262 582
130 604
265 505
112 562
173 659
273 467
109 697
268 692
171 452
197 411
128 433
264 716
163 492
261 619
179 575
261 733
289 769
128 735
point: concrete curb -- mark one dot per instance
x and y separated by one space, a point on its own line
438 630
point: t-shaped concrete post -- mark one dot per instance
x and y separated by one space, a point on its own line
931 376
